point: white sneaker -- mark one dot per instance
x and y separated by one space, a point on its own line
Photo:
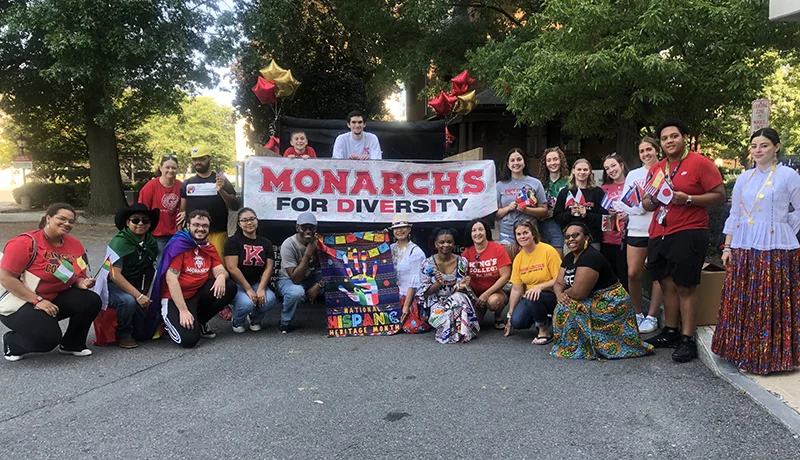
238 329
648 325
255 327
639 319
84 352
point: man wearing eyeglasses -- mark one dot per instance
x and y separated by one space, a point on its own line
357 144
211 192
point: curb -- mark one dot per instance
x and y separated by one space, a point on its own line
35 216
728 372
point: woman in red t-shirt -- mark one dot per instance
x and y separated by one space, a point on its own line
56 287
614 172
489 270
163 192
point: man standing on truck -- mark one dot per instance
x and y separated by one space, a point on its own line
357 144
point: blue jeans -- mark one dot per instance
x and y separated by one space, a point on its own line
293 294
551 233
530 312
131 318
243 306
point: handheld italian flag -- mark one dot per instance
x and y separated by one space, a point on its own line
101 279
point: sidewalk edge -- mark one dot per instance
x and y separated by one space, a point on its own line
728 372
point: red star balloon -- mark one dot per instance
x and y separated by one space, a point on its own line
443 104
273 144
458 89
463 80
265 91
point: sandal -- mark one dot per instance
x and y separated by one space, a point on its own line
500 325
542 340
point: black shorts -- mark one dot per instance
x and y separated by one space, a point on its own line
637 241
680 255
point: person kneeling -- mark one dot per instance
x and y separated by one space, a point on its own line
137 249
197 284
299 276
594 318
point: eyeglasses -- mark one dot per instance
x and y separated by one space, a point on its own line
64 219
143 220
248 220
569 236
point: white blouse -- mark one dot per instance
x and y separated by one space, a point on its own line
407 265
638 219
760 217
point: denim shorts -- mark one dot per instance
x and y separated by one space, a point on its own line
551 233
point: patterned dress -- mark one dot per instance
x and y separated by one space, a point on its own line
451 311
601 326
759 318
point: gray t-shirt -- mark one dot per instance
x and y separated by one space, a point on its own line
291 253
508 192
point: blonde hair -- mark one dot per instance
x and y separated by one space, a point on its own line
589 182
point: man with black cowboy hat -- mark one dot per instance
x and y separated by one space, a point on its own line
132 272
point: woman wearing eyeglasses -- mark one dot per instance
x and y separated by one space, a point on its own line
593 318
489 270
163 192
45 280
250 259
133 272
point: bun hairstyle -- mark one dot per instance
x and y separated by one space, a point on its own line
439 231
769 133
52 210
468 230
584 228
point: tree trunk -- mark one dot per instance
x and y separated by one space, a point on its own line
105 196
626 144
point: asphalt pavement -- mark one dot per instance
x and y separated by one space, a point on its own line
303 395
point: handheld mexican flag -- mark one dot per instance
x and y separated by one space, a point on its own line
101 279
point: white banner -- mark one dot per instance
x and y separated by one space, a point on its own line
369 191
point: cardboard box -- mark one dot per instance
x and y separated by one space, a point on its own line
709 293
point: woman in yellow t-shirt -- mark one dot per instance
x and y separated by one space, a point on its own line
533 274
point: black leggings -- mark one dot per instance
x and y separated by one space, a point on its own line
34 330
617 257
203 306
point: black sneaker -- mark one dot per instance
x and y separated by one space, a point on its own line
7 351
686 351
667 338
206 332
284 328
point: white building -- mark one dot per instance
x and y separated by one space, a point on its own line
784 10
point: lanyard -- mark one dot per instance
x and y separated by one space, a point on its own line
677 167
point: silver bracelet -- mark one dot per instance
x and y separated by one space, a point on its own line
140 296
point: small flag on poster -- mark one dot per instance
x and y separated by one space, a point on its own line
606 203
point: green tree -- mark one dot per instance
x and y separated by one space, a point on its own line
349 54
202 122
101 68
611 68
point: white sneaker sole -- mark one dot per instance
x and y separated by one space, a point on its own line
12 358
81 353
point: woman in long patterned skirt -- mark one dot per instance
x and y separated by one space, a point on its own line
759 318
594 318
445 292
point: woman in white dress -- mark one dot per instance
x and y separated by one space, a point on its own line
408 258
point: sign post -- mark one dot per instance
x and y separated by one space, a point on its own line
760 115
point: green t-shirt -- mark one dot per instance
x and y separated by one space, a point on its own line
553 189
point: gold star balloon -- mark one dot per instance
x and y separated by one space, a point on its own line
273 71
466 102
286 85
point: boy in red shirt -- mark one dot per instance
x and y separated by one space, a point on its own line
679 235
300 147
197 285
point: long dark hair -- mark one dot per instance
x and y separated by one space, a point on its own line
239 213
52 210
505 173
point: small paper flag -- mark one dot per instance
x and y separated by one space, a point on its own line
350 238
379 237
359 235
369 236
329 240
340 239
373 252
383 248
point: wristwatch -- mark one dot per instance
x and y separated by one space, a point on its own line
689 200
321 285
38 299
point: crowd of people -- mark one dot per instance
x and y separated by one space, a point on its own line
569 260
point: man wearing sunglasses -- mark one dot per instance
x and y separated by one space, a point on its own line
357 144
211 192
299 276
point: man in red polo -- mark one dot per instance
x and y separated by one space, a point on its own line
679 234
